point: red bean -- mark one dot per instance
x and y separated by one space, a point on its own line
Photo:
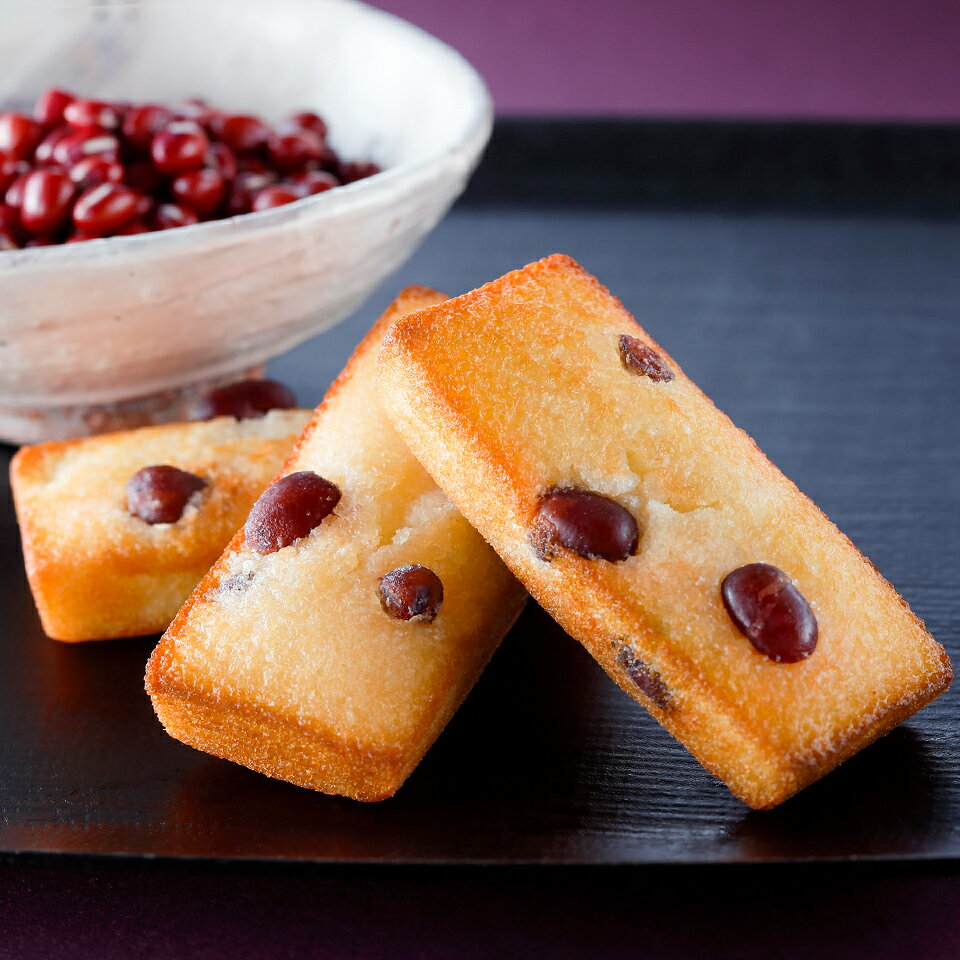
201 190
222 159
160 494
170 215
312 181
243 133
278 196
245 399
46 201
92 171
19 135
293 151
85 142
411 592
50 106
586 523
288 510
180 147
142 123
7 241
307 120
770 611
91 113
637 357
356 170
105 208
644 677
44 153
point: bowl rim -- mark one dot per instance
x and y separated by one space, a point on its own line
354 195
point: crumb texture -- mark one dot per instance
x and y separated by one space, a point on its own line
519 387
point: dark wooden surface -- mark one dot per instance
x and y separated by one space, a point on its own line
833 341
808 280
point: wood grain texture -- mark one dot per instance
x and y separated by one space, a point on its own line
835 342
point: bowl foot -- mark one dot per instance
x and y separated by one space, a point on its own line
20 425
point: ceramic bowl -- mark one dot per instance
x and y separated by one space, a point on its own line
125 330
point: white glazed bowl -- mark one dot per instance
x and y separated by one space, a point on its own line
125 330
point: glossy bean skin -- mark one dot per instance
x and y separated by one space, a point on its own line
245 399
411 592
200 190
106 208
91 113
46 201
49 108
586 523
276 196
290 510
770 612
160 493
19 135
179 147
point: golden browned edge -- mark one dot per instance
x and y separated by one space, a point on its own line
422 412
26 468
272 743
266 744
44 567
279 747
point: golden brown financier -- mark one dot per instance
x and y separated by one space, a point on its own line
346 622
702 580
108 555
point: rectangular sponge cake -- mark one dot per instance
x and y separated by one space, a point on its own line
96 570
530 394
288 662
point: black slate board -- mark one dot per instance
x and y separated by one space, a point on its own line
834 340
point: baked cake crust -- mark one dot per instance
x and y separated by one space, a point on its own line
300 674
517 389
95 571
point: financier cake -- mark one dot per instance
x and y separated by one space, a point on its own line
700 578
350 616
118 529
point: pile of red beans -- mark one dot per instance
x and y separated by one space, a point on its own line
83 169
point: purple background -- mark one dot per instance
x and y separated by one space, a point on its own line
765 58
50 910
